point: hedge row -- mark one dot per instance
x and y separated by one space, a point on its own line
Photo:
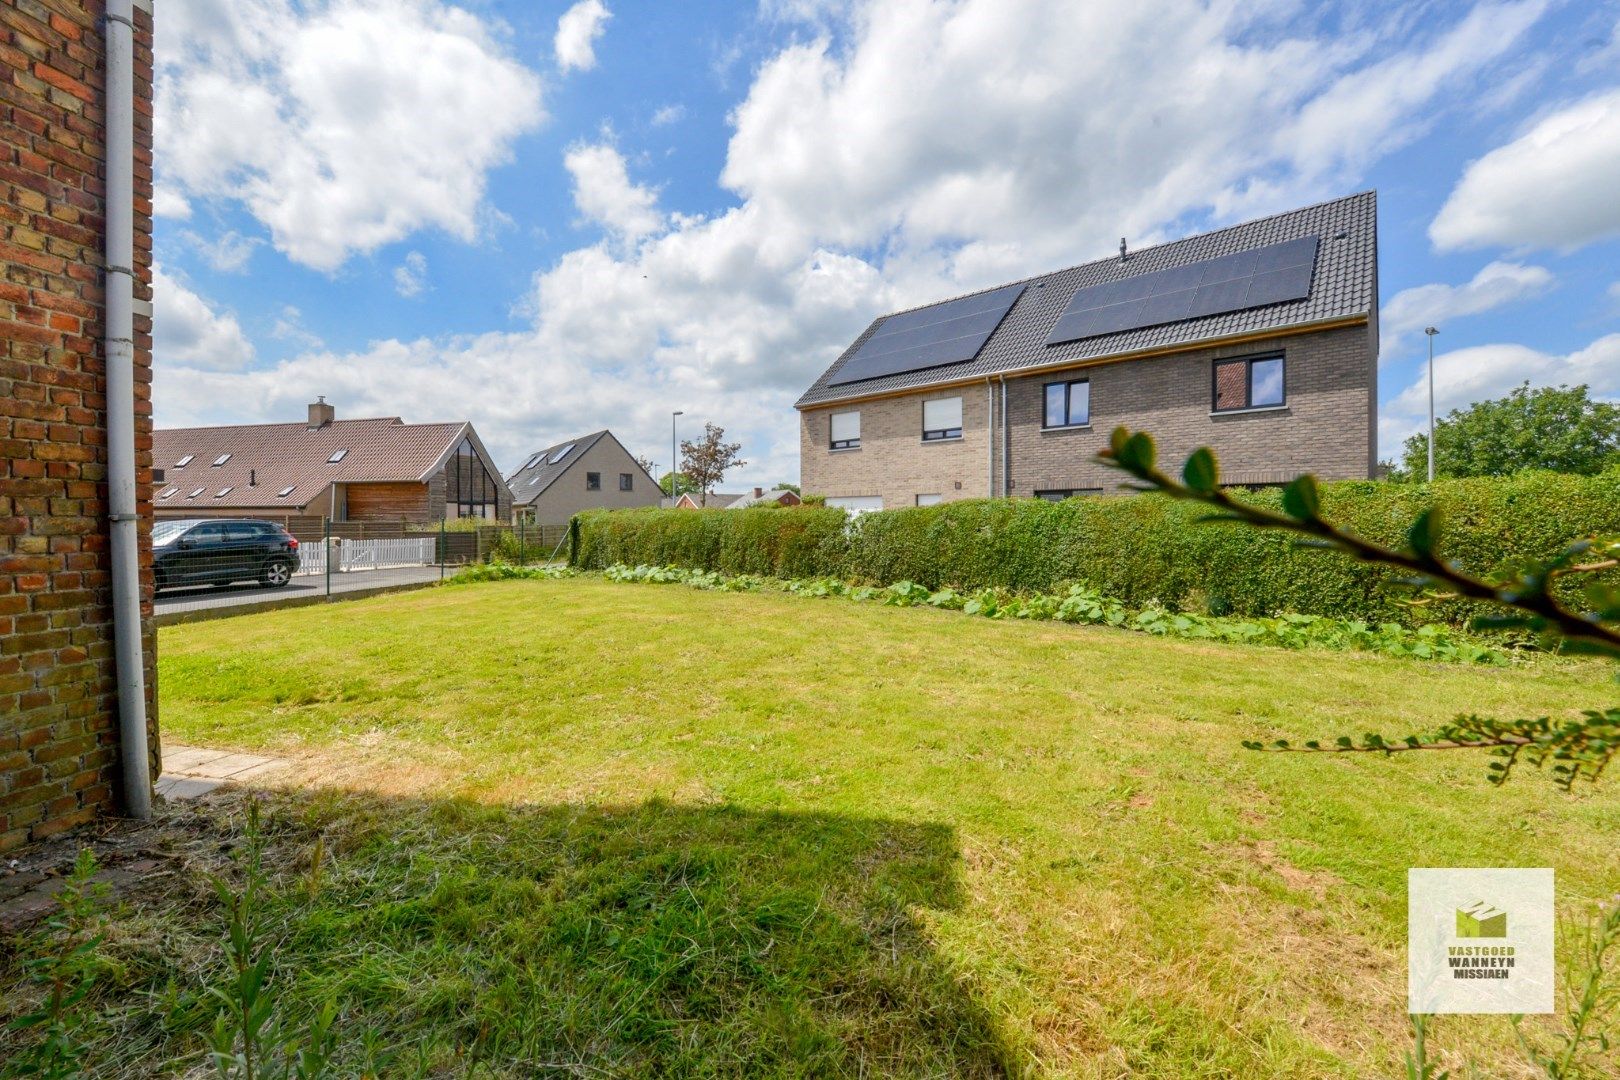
1138 549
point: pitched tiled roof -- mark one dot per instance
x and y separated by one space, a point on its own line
531 481
717 500
266 458
1344 285
763 499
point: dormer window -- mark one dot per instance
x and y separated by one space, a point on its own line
337 456
222 459
183 462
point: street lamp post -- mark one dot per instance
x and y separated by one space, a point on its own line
1431 331
674 467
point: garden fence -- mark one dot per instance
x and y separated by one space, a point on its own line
245 563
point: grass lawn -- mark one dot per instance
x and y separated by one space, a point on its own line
614 829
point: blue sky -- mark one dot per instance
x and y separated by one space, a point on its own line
549 218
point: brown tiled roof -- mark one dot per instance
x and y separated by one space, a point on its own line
1345 285
265 458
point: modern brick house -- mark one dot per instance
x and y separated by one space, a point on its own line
1259 340
59 698
592 472
373 470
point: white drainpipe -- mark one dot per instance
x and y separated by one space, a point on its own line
119 350
1005 448
990 437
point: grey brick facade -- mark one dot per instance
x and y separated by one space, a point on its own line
1325 426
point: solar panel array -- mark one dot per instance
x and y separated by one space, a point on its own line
1249 279
946 333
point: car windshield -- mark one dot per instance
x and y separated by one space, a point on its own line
164 531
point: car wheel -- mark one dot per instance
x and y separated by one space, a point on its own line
277 572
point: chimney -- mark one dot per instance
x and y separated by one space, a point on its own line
1122 249
253 478
320 413
759 493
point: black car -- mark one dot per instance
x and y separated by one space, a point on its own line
219 551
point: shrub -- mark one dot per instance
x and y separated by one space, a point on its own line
1138 550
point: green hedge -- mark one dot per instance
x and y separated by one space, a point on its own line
1138 549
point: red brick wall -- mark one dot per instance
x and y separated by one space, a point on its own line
58 708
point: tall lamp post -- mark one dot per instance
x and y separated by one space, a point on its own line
674 458
1431 331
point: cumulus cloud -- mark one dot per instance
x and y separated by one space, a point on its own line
189 332
932 149
668 114
331 124
603 192
1553 187
1496 285
410 276
1464 376
577 32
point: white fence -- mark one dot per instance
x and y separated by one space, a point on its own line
368 554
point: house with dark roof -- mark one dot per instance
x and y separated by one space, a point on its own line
591 472
718 500
375 470
1259 340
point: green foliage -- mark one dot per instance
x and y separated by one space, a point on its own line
64 968
1585 1047
251 1039
1559 429
1527 595
1081 604
675 484
1139 550
505 571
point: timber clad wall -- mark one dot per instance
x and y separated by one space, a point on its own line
1325 427
386 502
58 711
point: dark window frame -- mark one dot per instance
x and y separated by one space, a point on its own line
475 494
1248 382
593 481
627 481
1068 493
1068 400
843 444
941 434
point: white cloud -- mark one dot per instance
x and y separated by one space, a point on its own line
289 326
1553 187
668 114
1496 284
189 332
1482 372
577 32
169 203
341 127
410 277
228 253
934 148
603 192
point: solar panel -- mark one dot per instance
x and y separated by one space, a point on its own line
1248 279
930 337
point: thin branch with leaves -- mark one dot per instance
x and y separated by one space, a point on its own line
1578 748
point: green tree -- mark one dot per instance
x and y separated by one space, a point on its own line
1556 428
708 459
676 484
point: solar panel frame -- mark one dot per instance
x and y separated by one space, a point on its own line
1258 277
946 333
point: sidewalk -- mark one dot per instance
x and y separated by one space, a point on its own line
173 606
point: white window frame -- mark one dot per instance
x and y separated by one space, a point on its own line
938 427
848 441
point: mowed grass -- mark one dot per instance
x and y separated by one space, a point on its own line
644 829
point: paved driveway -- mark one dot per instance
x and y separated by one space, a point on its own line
300 590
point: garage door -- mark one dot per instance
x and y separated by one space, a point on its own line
856 504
